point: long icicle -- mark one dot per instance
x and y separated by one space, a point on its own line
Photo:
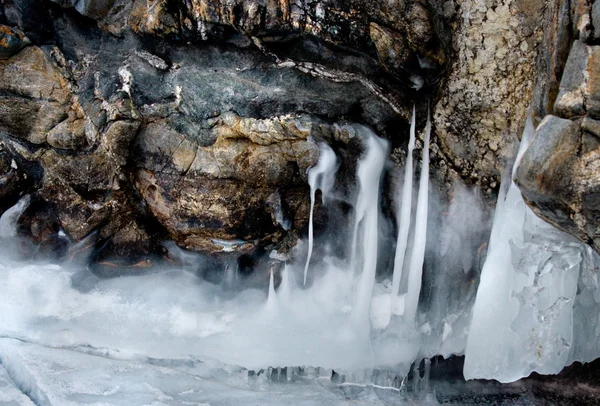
404 217
369 173
321 176
418 252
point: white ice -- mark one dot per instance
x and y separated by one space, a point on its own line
321 176
62 324
523 314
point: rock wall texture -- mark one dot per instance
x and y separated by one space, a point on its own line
133 123
130 123
484 100
559 175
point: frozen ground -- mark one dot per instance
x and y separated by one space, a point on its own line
87 376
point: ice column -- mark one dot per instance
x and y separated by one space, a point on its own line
321 176
370 168
8 220
404 218
418 252
523 313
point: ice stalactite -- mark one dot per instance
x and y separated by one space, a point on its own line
320 176
420 239
231 274
404 218
369 172
272 296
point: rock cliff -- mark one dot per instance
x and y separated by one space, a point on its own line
131 123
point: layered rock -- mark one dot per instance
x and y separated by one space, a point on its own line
135 124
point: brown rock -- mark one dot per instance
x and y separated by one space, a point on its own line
34 88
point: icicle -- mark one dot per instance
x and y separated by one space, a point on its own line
285 288
320 176
231 272
369 172
425 380
418 252
8 220
404 218
272 296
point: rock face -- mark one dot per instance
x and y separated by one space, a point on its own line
559 174
483 102
131 124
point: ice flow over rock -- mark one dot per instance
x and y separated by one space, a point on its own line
536 305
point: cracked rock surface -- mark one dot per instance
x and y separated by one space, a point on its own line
135 123
559 174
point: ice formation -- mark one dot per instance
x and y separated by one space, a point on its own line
536 304
527 295
418 252
406 204
321 176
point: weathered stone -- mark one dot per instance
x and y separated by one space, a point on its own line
223 191
40 225
580 85
484 99
596 19
13 180
34 89
570 100
391 47
559 176
591 126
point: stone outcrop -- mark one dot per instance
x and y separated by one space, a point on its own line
130 124
484 100
559 174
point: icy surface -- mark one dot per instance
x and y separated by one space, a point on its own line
418 252
170 337
77 376
404 218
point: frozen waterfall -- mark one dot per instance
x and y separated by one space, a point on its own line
321 176
535 308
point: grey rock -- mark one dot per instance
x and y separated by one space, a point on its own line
596 19
570 100
559 178
580 85
12 40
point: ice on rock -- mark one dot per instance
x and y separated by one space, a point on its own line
153 337
524 308
9 218
418 251
320 176
369 173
